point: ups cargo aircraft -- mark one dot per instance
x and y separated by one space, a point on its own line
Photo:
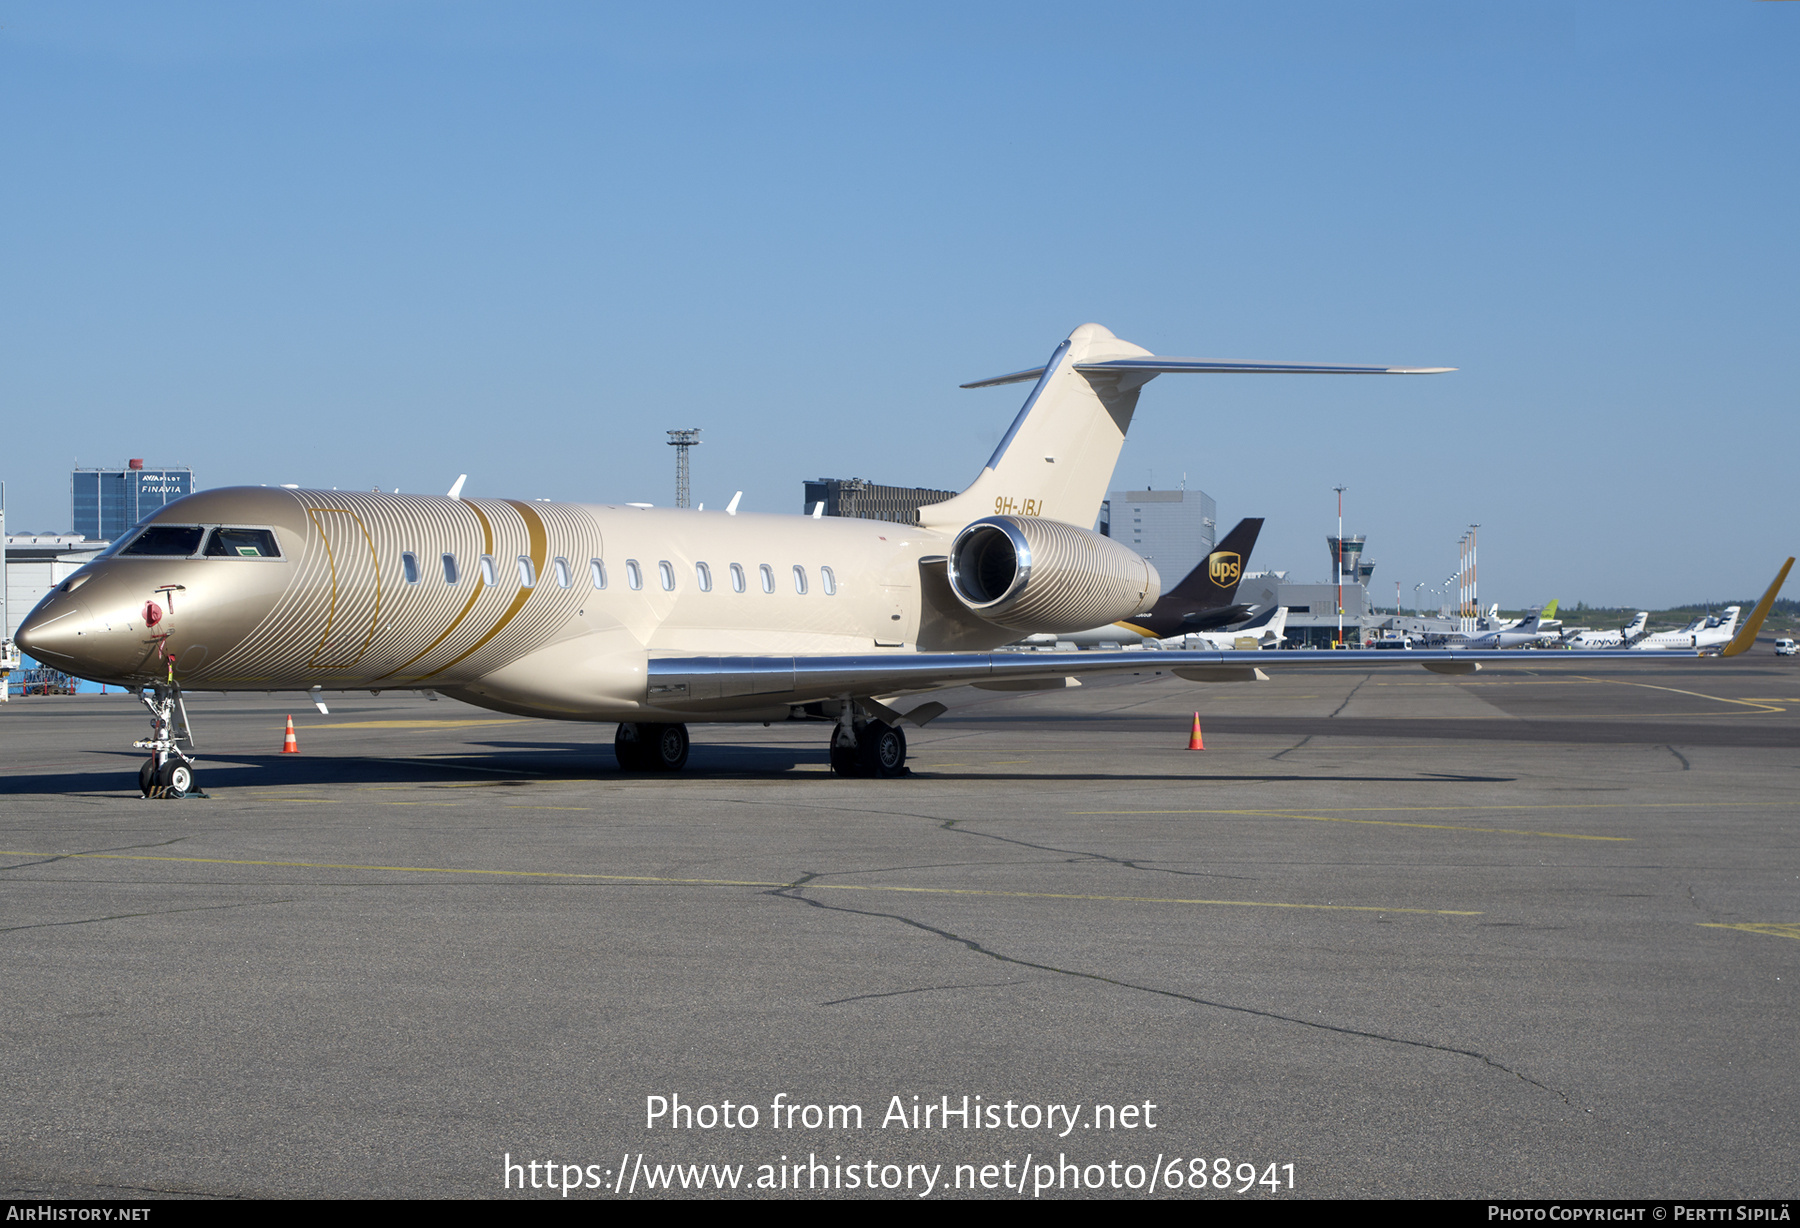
655 618
1205 600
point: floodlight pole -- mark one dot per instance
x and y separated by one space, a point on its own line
681 441
1340 563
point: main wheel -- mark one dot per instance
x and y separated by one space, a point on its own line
668 747
881 749
844 758
147 776
176 778
629 748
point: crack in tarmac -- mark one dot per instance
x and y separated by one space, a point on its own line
896 993
1075 855
1352 695
56 857
788 892
126 916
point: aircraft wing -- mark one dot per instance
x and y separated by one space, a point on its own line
1155 365
675 682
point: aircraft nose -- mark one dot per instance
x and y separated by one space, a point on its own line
54 631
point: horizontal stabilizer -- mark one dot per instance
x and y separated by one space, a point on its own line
1155 365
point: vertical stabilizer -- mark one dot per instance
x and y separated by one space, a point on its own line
1057 459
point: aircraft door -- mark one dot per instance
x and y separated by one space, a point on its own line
355 598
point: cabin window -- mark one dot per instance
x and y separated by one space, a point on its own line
800 580
768 577
560 569
828 581
634 575
597 569
167 541
737 578
489 573
241 544
703 577
527 574
450 572
409 564
667 573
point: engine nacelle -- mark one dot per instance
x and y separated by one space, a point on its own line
1043 575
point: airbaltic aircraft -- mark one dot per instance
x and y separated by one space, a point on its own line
649 617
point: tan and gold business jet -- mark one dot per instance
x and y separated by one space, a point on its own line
658 617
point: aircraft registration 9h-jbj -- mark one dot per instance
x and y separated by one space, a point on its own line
659 617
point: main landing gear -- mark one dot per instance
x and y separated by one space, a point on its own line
644 747
861 747
169 771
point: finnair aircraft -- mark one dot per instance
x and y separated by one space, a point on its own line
654 617
1612 639
1701 635
1530 630
1267 630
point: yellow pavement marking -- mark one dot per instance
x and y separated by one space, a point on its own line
730 882
1320 818
1748 703
414 724
1332 812
1519 806
1780 929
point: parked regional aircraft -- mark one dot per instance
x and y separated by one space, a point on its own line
1701 635
1531 630
1611 639
1204 601
1268 630
656 617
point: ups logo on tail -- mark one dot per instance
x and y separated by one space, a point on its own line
1223 567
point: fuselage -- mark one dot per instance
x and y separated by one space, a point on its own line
531 607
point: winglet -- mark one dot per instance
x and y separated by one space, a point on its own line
456 490
1746 635
731 508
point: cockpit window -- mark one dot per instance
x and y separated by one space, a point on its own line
242 544
166 540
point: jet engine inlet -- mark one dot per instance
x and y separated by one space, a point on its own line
1030 574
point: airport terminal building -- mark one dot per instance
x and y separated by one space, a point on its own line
1174 529
106 502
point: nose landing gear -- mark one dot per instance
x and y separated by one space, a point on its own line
169 771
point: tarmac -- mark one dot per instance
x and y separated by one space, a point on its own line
1531 934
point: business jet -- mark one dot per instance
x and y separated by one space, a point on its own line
1611 639
656 617
1702 635
1205 600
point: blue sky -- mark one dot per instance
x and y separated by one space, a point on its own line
387 243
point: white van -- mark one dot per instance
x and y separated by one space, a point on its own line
1784 648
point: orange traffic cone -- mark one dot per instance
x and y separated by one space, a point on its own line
291 747
1195 741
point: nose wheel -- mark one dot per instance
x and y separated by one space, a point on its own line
169 771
